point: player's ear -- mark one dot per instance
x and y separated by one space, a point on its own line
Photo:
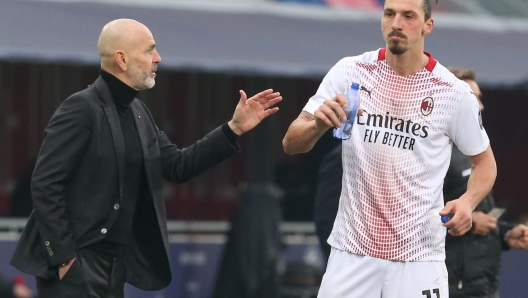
428 26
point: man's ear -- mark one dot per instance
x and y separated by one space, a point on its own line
122 60
428 26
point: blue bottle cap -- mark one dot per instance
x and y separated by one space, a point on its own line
445 218
355 86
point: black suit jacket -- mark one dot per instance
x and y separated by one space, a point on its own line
472 259
327 196
79 177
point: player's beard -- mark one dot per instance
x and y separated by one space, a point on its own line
141 80
396 47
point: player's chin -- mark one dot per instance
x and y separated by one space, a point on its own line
397 48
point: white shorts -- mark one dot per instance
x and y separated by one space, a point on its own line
354 276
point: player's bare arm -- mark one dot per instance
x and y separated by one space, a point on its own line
483 174
304 131
301 135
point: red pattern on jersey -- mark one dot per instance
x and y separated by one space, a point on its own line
388 198
437 81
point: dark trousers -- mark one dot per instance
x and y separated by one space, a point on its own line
494 295
92 275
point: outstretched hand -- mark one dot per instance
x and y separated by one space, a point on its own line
250 112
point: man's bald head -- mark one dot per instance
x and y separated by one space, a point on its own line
119 35
128 51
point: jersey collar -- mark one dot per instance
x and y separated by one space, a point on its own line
430 65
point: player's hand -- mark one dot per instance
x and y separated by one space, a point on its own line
460 223
483 223
518 237
249 112
331 111
64 269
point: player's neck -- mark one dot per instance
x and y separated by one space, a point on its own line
407 63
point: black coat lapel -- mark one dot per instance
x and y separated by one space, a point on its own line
115 128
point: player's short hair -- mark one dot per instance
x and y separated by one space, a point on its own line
463 73
428 7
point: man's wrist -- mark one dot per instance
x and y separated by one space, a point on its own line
66 264
234 128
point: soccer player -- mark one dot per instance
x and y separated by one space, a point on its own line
387 239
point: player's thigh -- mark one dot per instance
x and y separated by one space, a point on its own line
416 280
351 276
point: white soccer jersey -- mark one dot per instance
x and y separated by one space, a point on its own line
396 160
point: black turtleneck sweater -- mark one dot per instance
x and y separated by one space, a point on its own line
134 182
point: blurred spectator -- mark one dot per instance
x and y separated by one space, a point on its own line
362 4
250 262
473 260
14 289
327 197
21 202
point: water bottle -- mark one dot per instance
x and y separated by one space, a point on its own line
352 97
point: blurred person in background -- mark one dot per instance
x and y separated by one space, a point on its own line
387 239
14 289
21 201
327 196
99 216
473 260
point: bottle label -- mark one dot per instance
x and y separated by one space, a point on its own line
344 132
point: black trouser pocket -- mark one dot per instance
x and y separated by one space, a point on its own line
92 275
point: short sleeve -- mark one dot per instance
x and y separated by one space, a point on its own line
466 128
333 83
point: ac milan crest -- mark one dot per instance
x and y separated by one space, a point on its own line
427 105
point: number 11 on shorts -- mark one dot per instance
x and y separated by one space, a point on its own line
427 293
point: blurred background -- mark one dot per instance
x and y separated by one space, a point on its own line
212 48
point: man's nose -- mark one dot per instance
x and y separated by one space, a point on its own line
157 57
396 24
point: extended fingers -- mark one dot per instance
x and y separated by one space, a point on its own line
270 111
264 93
267 98
271 100
263 96
272 95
